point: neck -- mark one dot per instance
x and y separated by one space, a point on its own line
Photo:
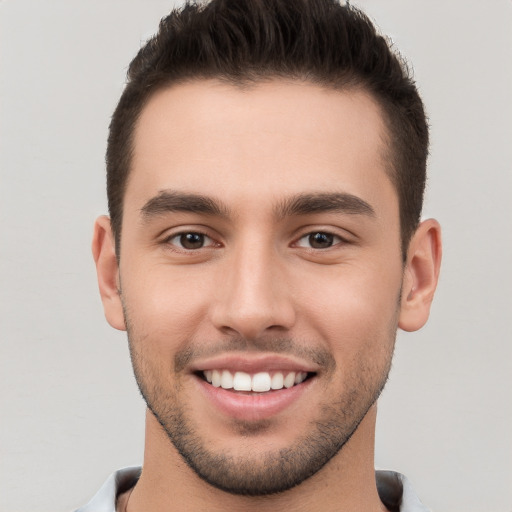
346 482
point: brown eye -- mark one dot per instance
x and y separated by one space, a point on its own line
190 241
319 240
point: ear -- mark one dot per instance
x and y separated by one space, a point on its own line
420 276
107 269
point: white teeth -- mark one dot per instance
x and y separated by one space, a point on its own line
242 381
226 380
277 381
289 380
300 377
258 383
261 382
216 378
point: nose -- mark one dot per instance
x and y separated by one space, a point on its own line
253 296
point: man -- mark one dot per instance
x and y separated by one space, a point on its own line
265 175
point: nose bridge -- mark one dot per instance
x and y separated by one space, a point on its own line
253 296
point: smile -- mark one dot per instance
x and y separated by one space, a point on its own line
260 382
256 387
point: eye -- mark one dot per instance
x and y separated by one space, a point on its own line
319 240
190 241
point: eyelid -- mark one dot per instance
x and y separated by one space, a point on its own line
178 232
336 240
339 238
179 235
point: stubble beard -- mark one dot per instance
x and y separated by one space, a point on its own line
275 471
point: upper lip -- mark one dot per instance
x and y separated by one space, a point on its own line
254 364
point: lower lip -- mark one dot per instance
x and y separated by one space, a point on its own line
253 406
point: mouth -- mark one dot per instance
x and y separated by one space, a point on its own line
259 382
253 388
255 394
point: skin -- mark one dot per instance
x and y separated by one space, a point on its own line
257 281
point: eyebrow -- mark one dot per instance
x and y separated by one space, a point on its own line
340 202
168 201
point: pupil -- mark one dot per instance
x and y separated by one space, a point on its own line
192 240
320 240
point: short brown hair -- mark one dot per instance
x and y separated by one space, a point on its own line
247 41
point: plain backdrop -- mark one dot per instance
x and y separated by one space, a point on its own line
70 412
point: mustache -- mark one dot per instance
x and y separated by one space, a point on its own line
283 346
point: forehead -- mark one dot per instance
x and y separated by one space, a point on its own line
270 139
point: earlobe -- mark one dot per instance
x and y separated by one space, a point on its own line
107 269
420 276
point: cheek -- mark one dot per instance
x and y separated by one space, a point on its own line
168 307
352 307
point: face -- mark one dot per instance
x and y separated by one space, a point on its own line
260 275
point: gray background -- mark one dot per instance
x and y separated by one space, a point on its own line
70 411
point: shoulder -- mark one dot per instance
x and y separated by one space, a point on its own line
397 493
117 483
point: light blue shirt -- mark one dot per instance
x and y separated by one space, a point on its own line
120 481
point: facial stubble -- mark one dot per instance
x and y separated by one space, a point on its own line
274 471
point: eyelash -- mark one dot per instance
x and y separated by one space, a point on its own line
178 244
182 234
334 239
